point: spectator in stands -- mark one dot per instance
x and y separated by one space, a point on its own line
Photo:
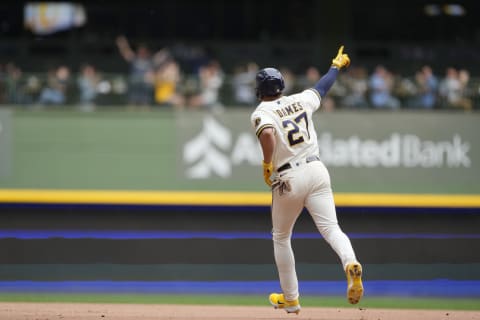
450 88
405 90
211 79
356 83
140 89
453 87
30 90
167 80
243 84
13 84
87 83
55 91
466 91
308 79
427 88
380 85
336 93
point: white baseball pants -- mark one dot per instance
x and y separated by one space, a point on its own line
307 185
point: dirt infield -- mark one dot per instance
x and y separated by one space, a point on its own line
84 311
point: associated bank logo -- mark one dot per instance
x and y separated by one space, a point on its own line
205 151
217 150
214 151
398 150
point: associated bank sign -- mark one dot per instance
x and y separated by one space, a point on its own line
398 150
217 150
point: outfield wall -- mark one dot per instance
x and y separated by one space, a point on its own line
366 152
178 198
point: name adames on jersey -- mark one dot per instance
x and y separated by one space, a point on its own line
289 110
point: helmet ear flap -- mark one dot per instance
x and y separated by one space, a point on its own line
258 94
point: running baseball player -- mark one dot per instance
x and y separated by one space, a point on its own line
297 177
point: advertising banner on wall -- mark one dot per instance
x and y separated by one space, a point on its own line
365 152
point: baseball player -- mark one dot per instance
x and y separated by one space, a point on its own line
297 177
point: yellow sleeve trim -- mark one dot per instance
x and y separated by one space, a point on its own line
259 131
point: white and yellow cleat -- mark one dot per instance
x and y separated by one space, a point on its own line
277 300
354 282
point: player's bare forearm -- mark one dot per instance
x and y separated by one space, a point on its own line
267 141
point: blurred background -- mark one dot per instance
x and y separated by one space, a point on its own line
128 162
168 54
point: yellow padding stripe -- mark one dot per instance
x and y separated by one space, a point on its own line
134 197
226 198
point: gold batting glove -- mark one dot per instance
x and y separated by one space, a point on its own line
341 60
267 172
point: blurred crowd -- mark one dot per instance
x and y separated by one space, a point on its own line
186 78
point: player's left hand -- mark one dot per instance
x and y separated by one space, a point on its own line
341 60
267 172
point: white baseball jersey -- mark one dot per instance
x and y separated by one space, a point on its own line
291 117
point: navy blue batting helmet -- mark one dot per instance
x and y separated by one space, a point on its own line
269 83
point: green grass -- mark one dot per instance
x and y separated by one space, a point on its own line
307 301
